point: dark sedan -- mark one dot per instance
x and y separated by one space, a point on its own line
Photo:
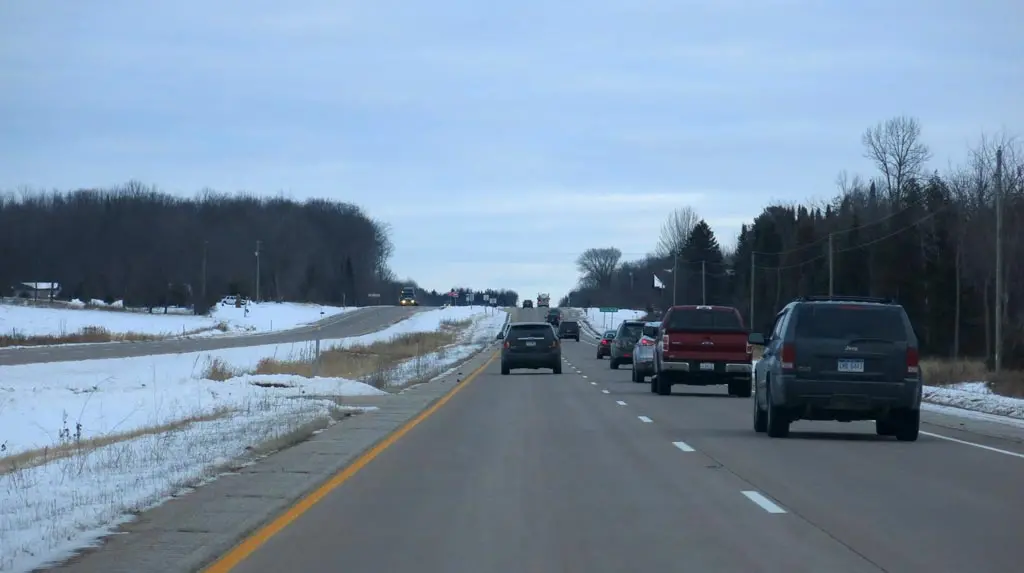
604 347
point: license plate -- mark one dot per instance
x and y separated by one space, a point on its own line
707 365
531 343
851 366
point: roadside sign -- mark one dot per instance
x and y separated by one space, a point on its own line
609 309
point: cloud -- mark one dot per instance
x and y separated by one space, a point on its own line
470 125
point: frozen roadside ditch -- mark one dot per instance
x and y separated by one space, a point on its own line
168 428
42 326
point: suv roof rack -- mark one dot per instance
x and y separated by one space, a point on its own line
845 298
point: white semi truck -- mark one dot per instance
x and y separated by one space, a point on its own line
543 299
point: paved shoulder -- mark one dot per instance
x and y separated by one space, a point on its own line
538 472
354 323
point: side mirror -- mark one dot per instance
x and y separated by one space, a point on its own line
755 339
500 336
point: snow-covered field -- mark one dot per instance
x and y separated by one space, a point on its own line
602 321
27 321
169 427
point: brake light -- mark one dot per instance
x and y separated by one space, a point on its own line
913 361
646 342
664 342
788 356
750 349
506 344
554 343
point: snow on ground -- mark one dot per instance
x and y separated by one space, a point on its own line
602 321
256 317
49 510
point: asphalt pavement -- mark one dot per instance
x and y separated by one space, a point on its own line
587 471
354 323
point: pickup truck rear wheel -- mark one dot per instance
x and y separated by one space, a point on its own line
613 364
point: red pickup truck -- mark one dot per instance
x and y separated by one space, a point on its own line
702 346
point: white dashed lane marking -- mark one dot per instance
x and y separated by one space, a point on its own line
683 446
593 383
765 503
605 392
645 419
620 402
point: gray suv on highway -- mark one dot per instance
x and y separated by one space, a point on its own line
531 345
626 335
839 358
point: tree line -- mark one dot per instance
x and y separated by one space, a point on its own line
149 248
925 238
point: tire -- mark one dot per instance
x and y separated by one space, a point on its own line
908 426
632 374
577 339
885 427
654 384
778 423
664 387
760 417
739 389
557 369
598 355
613 364
505 370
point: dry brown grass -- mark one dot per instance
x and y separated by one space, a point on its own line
364 361
945 372
93 334
71 445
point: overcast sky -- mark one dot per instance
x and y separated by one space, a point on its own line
499 139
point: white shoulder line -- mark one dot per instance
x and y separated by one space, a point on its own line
976 445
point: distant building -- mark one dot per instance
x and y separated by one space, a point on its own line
36 291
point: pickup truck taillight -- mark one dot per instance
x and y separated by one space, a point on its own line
664 342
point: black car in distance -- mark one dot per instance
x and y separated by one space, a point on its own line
531 345
569 329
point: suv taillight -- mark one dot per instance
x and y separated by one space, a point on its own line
913 361
554 343
788 361
646 342
506 344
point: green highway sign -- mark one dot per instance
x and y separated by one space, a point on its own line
609 309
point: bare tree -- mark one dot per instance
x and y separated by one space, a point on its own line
598 265
675 230
896 149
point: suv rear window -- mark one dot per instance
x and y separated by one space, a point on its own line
568 325
631 331
530 330
703 320
651 331
849 322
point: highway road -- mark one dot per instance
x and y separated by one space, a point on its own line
353 323
587 471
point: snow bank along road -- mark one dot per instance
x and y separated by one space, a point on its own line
587 471
352 323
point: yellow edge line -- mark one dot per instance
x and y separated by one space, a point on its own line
250 544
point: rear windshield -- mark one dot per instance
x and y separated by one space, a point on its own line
610 334
651 331
704 320
631 331
530 331
568 325
407 291
850 322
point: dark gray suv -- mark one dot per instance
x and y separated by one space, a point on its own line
531 345
628 333
843 359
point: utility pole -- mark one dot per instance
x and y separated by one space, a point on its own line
703 283
205 245
752 267
999 261
831 267
675 274
257 271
